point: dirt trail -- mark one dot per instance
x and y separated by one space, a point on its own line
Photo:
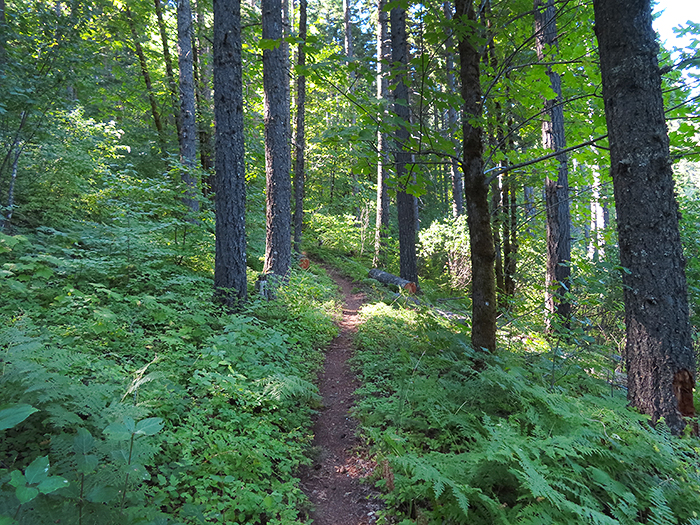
333 482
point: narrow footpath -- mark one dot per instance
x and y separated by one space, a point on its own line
333 481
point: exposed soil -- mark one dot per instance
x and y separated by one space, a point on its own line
334 482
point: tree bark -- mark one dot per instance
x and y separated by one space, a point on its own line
558 276
230 263
455 174
388 278
476 186
201 52
188 121
383 57
405 201
659 353
300 140
167 58
278 239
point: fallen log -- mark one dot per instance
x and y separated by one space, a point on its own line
388 278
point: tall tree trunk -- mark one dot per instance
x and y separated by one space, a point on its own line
476 186
558 278
455 174
230 263
146 79
167 58
3 37
300 140
595 248
188 120
201 51
510 225
383 58
510 236
497 208
659 349
278 239
349 49
406 204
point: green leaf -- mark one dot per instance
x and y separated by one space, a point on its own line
149 426
6 520
38 470
26 494
118 431
52 484
83 442
17 479
269 43
87 463
137 471
101 494
11 415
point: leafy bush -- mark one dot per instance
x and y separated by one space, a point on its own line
147 402
444 249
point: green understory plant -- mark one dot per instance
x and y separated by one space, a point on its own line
526 437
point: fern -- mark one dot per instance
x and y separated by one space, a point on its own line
660 512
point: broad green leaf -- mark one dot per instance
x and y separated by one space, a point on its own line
26 494
86 463
121 455
130 424
83 442
101 494
38 470
118 431
11 415
149 426
17 479
6 520
52 484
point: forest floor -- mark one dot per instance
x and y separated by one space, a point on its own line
334 481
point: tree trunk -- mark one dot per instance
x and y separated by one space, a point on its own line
659 350
300 141
476 187
230 264
383 58
278 239
201 51
146 79
388 278
405 201
510 235
167 58
498 220
558 278
188 121
455 174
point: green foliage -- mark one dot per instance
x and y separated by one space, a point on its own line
525 437
444 250
214 427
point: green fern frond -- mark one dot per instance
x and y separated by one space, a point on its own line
661 513
282 387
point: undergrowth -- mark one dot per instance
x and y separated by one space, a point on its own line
520 437
129 397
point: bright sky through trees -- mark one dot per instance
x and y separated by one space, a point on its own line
673 13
